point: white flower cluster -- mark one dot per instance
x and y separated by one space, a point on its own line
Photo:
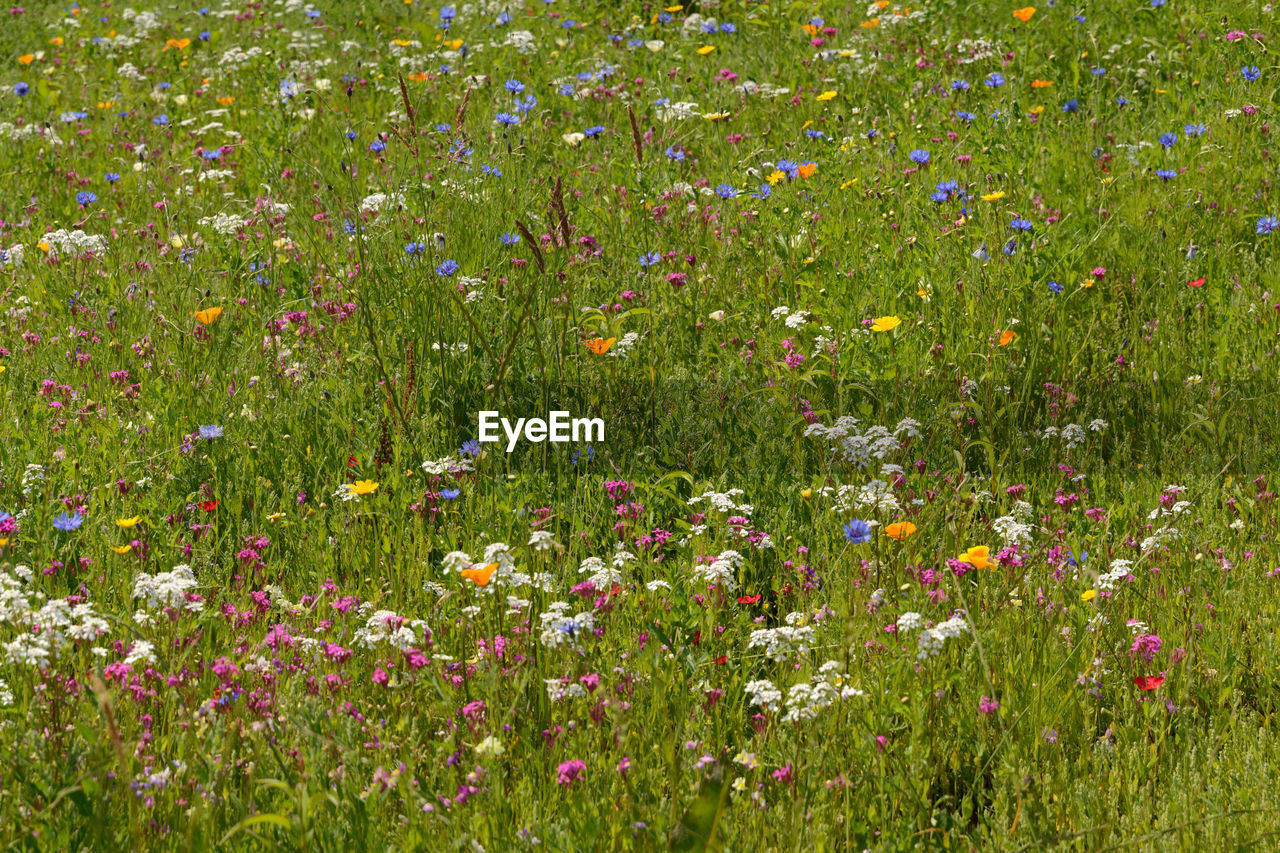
794 319
447 465
12 256
933 639
560 629
167 589
723 501
42 634
1012 531
722 571
76 242
858 445
1119 571
382 201
384 626
764 694
604 576
782 642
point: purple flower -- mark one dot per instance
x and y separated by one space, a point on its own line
570 771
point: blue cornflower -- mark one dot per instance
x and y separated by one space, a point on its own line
965 115
919 156
212 153
111 177
491 171
450 494
675 154
288 88
1055 287
708 27
1071 106
726 191
68 523
664 18
470 447
160 120
377 146
857 532
728 28
350 134
526 104
412 248
872 133
211 431
814 134
21 89
1098 72
995 79
635 43
648 259
1122 100
593 131
1020 224
1250 72
790 168
765 192
981 253
959 85
515 87
506 119
509 239
86 197
1267 224
447 268
1166 174
1195 130
566 89
503 19
1168 139
1011 247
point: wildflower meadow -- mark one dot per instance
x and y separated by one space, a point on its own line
569 425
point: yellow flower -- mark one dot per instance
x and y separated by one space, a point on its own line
828 95
705 49
364 487
806 494
1088 595
1035 111
995 196
886 324
122 549
674 9
453 45
4 540
128 522
775 176
978 556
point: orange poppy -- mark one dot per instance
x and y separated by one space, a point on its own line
1040 84
807 170
899 530
1024 14
600 346
481 576
207 315
1006 337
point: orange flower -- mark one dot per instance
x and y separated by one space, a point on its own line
1040 84
481 576
27 59
227 100
206 316
176 44
599 346
1024 14
1006 337
807 170
899 530
871 24
810 29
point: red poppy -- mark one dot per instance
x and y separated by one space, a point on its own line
352 462
1148 682
748 599
208 506
722 660
1196 282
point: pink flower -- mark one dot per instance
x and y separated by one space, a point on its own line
570 771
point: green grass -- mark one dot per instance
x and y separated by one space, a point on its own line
326 678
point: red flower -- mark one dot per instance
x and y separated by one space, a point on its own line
208 506
1148 682
722 660
1196 282
748 599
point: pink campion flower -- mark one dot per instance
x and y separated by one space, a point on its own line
570 772
1146 645
784 774
988 706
